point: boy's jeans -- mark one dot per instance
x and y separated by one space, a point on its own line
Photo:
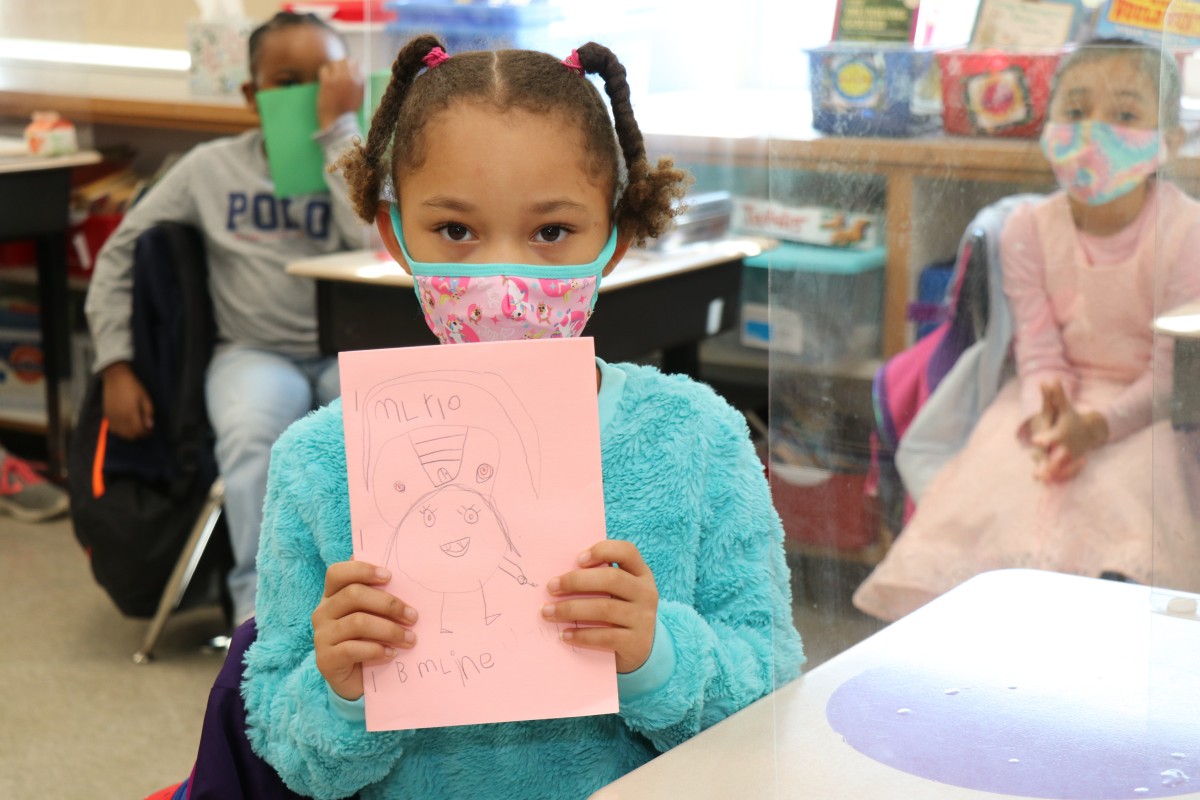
253 396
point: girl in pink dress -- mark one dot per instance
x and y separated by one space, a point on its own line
1070 469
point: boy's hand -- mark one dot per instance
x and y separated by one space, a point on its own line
356 622
627 613
127 406
1061 447
340 90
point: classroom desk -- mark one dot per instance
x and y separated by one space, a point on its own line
651 301
1017 683
34 198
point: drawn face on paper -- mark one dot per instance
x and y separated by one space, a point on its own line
451 540
411 465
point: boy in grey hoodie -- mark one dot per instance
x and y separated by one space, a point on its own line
266 371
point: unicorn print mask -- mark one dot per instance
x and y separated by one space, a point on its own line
501 302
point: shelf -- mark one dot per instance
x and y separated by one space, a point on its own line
27 276
23 421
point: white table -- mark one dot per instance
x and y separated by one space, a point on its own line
1101 673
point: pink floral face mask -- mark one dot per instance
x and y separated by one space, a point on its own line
502 302
1096 162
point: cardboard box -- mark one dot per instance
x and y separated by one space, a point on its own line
819 225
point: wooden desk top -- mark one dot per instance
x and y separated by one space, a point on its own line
639 266
1017 683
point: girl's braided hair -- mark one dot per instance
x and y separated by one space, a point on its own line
644 196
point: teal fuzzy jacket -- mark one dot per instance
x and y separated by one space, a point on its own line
681 481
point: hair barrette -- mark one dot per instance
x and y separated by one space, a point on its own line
573 63
435 57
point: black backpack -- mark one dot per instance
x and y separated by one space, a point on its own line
133 503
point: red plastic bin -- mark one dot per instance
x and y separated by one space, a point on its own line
824 508
996 93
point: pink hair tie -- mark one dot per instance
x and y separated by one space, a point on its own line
435 57
572 62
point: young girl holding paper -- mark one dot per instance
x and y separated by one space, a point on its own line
510 159
266 371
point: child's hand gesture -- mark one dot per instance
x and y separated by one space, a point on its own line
1062 437
339 91
356 622
624 615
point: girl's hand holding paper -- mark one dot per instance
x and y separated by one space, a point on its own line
621 616
357 622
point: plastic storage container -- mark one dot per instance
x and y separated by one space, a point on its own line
828 302
873 89
825 508
995 93
705 218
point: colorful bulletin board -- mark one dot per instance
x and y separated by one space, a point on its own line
1156 22
875 20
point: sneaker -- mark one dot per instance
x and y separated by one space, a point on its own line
26 495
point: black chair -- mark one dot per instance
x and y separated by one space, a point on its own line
147 511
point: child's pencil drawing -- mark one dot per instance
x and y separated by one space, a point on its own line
445 455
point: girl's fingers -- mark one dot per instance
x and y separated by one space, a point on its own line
367 599
614 639
361 626
593 611
346 654
598 580
615 551
345 573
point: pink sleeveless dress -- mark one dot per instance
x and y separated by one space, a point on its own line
1083 308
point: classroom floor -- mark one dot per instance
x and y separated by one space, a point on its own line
79 719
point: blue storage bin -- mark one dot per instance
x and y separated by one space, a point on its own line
477 26
820 305
874 89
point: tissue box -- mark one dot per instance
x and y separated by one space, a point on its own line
994 93
219 56
50 135
821 225
873 90
820 305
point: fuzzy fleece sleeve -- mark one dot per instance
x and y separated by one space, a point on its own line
735 642
306 527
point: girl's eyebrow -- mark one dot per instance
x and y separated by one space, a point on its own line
448 203
1132 95
562 204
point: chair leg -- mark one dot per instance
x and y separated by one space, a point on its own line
185 567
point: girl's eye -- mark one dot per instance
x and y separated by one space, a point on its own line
1127 116
551 233
470 515
455 232
1074 113
429 517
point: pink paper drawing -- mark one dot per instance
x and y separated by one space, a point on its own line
447 490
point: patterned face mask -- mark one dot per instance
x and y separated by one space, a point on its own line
1096 162
502 302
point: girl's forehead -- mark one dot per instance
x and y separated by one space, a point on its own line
1117 74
